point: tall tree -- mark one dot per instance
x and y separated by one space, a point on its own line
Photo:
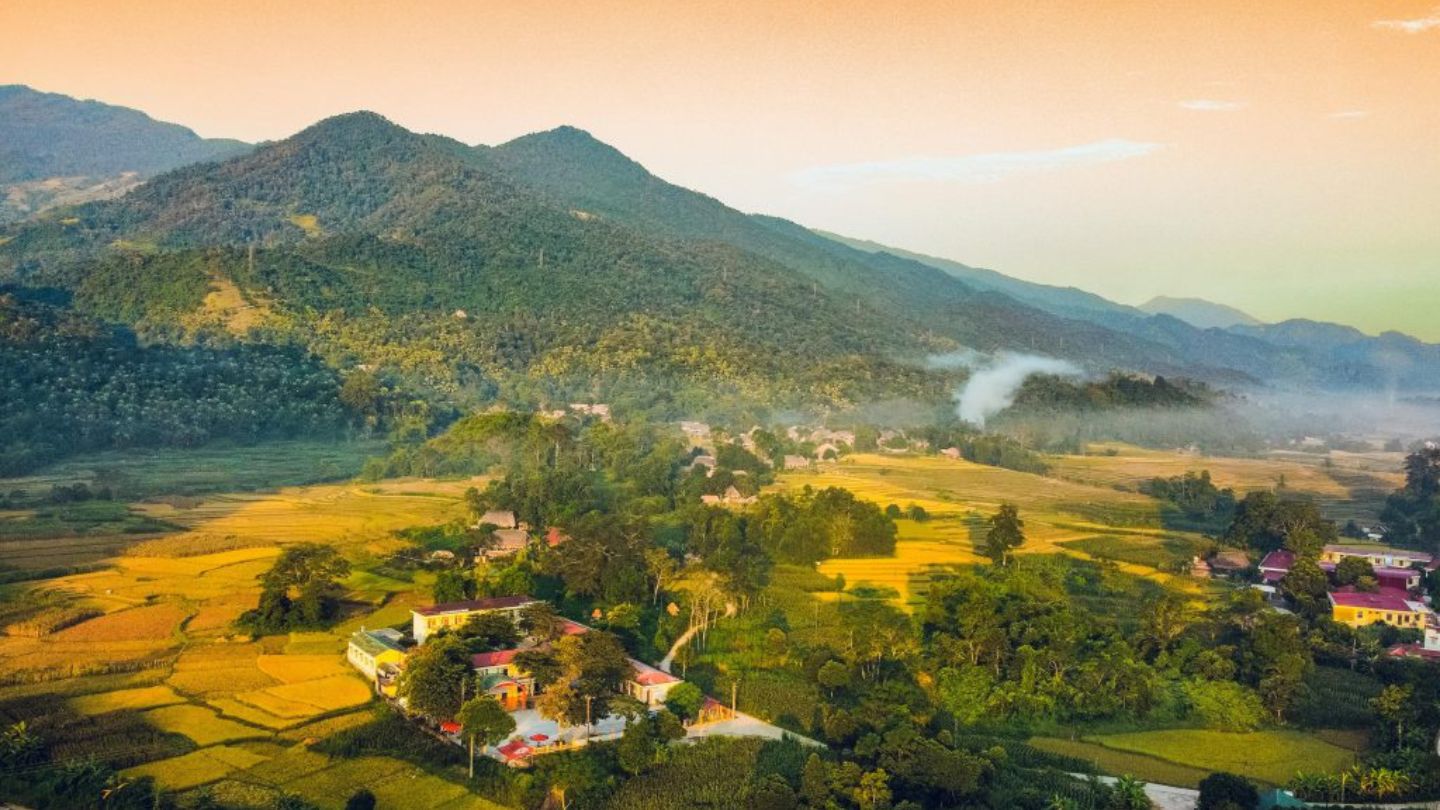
436 677
483 720
1006 534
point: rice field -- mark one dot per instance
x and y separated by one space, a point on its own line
960 496
197 767
201 725
137 474
328 782
1271 757
145 697
1354 485
151 622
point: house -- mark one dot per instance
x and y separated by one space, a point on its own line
1379 556
649 685
1276 565
426 621
1428 649
732 497
827 451
1387 606
507 542
1229 563
499 518
497 674
708 462
1199 568
442 555
951 453
797 463
713 711
371 651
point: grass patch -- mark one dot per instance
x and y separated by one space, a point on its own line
1272 757
137 474
1123 763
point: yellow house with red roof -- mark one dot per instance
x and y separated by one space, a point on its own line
1387 606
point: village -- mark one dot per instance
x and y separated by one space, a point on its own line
1366 585
381 654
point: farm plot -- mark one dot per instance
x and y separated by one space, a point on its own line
1272 757
326 782
197 767
1353 485
343 514
200 724
960 496
145 697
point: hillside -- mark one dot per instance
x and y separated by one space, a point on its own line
56 150
73 384
554 266
374 245
1198 312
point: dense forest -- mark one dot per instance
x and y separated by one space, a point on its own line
73 384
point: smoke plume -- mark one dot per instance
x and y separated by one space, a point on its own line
992 387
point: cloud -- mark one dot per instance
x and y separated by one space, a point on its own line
986 167
1418 25
1349 114
1211 105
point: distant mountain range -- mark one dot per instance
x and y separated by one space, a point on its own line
56 150
554 265
1199 312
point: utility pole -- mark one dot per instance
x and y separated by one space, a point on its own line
734 689
588 698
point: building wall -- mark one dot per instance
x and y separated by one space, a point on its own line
1359 617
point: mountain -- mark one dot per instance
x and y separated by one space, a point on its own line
553 267
578 172
1069 302
375 246
1198 312
57 150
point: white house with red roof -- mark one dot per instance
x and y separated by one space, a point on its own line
650 685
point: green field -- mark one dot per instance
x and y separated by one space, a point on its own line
138 474
1271 757
1124 763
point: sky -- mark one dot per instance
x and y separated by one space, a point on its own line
1281 156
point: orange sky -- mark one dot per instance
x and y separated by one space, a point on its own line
1281 156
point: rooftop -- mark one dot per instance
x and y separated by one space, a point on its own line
646 675
475 605
375 642
493 659
1279 559
1378 551
1383 599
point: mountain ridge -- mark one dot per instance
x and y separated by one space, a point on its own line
556 236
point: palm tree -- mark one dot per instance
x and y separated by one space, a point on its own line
1058 802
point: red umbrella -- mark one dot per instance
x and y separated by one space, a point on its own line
539 737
